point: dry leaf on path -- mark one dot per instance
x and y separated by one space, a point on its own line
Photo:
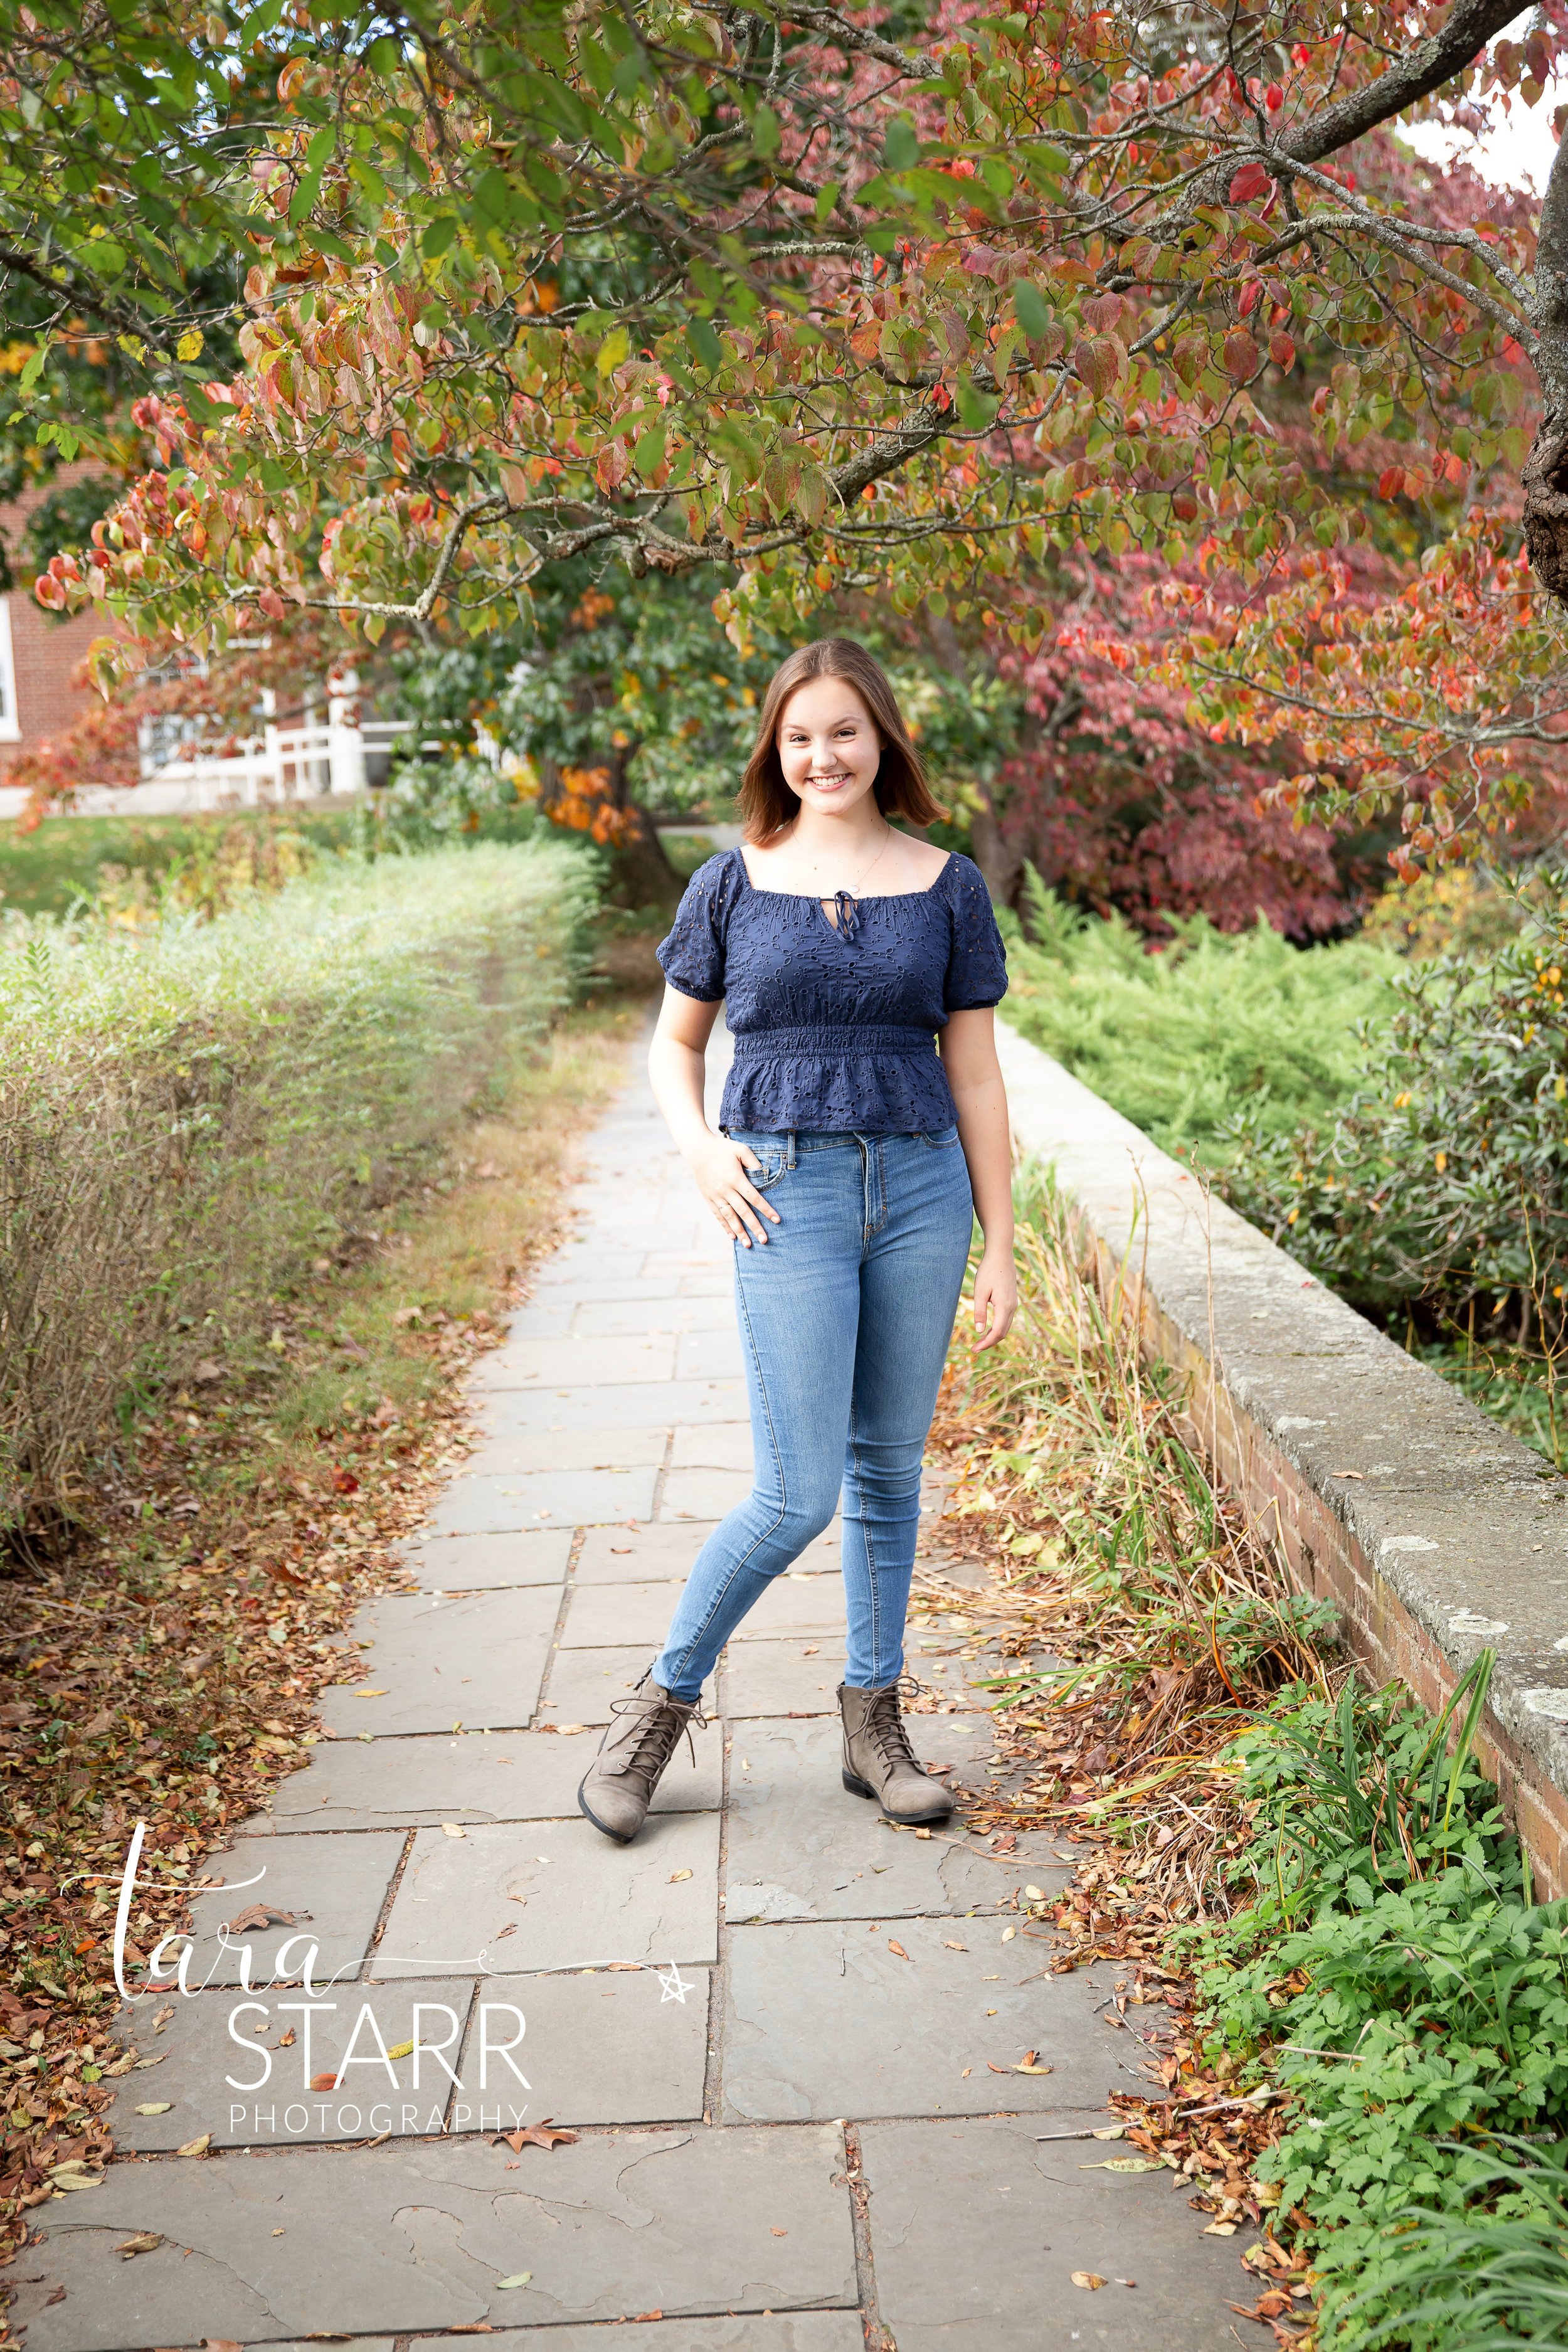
1030 2064
156 2107
677 1875
899 1949
518 2278
453 1829
540 2135
1091 2279
220 2344
197 2147
261 1915
323 2081
401 2050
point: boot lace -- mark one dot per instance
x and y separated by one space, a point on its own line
885 1723
660 1734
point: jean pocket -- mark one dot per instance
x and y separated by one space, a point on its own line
941 1138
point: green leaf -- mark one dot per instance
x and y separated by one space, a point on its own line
439 237
901 144
766 130
703 337
1031 309
976 409
518 2278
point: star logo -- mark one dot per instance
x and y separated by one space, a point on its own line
675 1985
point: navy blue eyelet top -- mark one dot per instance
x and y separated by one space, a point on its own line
835 1024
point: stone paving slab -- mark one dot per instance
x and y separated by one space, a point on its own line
578 1363
607 1616
703 1494
751 2331
827 2016
781 1677
567 1449
226 2071
633 1404
499 1776
486 1563
415 2238
621 1319
801 1846
641 1555
799 1601
570 1898
1026 2217
479 1505
334 1886
723 1446
585 1684
435 1663
709 1355
602 2049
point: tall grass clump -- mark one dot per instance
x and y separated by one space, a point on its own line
1181 1040
186 1112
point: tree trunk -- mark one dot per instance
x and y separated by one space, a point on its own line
1001 863
1546 467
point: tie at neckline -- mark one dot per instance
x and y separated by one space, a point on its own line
846 913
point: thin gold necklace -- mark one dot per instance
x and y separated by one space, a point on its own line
856 886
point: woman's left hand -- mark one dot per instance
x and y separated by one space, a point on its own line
995 1296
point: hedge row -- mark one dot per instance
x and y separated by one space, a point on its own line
186 1114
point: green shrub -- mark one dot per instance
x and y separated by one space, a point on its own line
1391 1974
1180 1040
184 1112
1442 1182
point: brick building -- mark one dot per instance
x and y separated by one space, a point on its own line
39 652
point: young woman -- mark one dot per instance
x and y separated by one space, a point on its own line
852 1156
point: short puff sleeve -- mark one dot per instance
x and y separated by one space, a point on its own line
976 962
693 955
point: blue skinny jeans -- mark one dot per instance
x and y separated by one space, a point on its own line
844 1321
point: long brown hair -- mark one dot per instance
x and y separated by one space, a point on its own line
767 803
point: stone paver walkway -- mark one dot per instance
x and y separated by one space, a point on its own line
783 2030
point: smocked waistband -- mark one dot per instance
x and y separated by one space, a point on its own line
857 1038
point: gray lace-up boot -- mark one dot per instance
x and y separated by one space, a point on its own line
644 1733
878 1760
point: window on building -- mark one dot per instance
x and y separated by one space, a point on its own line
10 717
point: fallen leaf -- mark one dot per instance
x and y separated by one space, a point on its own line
259 1915
147 2244
991 2063
470 2328
949 1945
1031 2065
541 2134
677 1875
345 1482
518 2278
966 2074
1008 1934
1091 2279
286 2041
220 2344
1348 1474
651 2314
317 2082
620 1547
509 1929
779 2234
811 1653
401 2050
1124 2164
197 2147
156 2107
899 1950
1220 2230
453 1829
370 1694
570 1731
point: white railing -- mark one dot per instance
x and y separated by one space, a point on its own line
316 760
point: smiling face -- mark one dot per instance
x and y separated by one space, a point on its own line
828 746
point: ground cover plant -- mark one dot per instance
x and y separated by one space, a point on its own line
1369 2012
51 867
165 1667
191 1110
1181 1040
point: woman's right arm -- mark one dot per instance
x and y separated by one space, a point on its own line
676 1069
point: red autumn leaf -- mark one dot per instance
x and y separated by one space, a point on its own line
1249 181
1098 362
1242 355
345 1482
1249 297
323 2081
1282 351
1273 98
1391 481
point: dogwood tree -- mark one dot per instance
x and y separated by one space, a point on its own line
846 299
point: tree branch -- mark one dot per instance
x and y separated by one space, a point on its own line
1471 24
